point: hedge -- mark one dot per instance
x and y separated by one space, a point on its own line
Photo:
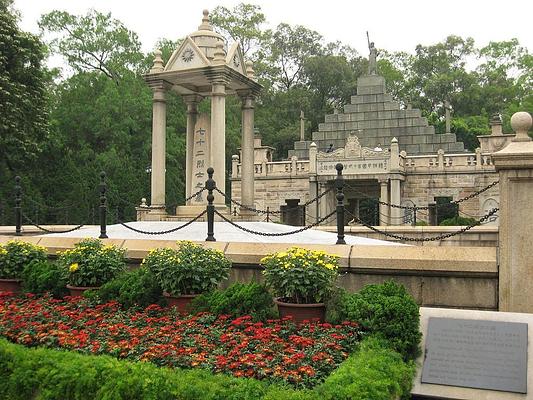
374 372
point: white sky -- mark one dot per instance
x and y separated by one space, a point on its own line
393 25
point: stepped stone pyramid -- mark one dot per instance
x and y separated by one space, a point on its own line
375 118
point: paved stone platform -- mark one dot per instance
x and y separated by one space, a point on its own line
197 231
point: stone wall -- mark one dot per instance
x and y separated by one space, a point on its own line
465 277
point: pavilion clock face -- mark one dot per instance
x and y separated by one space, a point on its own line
187 55
236 61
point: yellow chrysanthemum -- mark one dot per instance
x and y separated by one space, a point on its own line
73 267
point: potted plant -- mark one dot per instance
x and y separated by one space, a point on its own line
187 271
303 280
90 264
14 256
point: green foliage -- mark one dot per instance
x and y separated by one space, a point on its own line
15 255
301 276
138 287
44 277
191 269
387 311
373 372
242 24
93 42
239 299
458 221
91 263
23 98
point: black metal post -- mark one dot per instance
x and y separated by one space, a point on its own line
339 185
210 185
103 207
268 214
234 211
18 207
414 215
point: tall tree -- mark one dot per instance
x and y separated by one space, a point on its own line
93 42
287 50
242 24
23 97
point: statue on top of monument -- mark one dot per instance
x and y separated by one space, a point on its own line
372 57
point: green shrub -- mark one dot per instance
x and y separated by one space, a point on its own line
191 269
458 221
374 372
91 263
387 311
15 255
239 299
41 374
421 223
44 277
132 288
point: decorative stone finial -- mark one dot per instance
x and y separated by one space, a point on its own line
143 202
158 62
521 123
250 73
313 144
219 56
235 157
205 25
394 140
496 125
440 152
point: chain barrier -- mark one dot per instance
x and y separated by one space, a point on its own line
242 228
258 211
192 196
167 231
435 238
384 203
48 230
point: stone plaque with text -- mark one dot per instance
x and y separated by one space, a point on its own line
477 354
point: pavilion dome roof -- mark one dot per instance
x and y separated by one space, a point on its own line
206 38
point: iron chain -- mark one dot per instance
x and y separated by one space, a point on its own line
48 230
258 211
167 231
242 228
440 237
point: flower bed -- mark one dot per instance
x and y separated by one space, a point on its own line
275 350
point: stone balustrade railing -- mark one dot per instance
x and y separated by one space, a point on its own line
449 162
276 168
423 163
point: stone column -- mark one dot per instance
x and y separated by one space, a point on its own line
218 138
323 201
395 213
515 166
384 197
395 198
312 209
159 126
247 147
192 114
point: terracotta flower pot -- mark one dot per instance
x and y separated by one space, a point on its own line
301 312
78 290
11 285
181 302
